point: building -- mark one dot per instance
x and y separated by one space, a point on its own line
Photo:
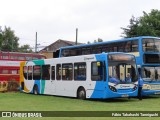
52 50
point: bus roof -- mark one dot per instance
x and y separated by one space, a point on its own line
110 41
20 53
103 53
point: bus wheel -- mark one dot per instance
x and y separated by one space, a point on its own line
81 94
35 90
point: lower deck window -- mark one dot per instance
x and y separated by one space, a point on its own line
45 72
67 71
80 71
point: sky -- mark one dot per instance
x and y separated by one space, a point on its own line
58 19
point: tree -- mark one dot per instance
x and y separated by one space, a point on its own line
9 40
0 37
25 48
131 30
146 25
88 42
100 40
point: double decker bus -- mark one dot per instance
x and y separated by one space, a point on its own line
88 76
10 64
145 48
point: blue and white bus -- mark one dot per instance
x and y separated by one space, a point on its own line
99 76
145 48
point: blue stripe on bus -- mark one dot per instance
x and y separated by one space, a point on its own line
36 82
99 85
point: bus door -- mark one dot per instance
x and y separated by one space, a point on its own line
48 75
98 74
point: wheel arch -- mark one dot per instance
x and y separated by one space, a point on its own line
79 89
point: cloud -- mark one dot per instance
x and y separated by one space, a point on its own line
58 19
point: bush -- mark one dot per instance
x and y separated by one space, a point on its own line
13 85
3 86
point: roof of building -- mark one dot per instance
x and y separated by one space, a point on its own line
67 43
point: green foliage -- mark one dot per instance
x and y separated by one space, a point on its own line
0 41
13 85
9 42
146 25
131 30
25 48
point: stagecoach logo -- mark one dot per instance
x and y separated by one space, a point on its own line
88 58
124 86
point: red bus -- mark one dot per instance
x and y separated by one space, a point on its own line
10 64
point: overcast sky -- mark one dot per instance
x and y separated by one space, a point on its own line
58 19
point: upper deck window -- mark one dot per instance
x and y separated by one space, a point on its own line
131 46
151 45
5 57
13 57
21 58
28 58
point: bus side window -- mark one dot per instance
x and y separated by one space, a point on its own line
36 72
29 72
80 71
67 71
134 46
45 72
58 71
25 70
53 72
97 70
128 46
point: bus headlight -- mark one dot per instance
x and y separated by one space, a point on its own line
112 88
146 87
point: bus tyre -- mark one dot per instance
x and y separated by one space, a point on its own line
81 94
35 90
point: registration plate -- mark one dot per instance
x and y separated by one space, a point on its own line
157 93
125 95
